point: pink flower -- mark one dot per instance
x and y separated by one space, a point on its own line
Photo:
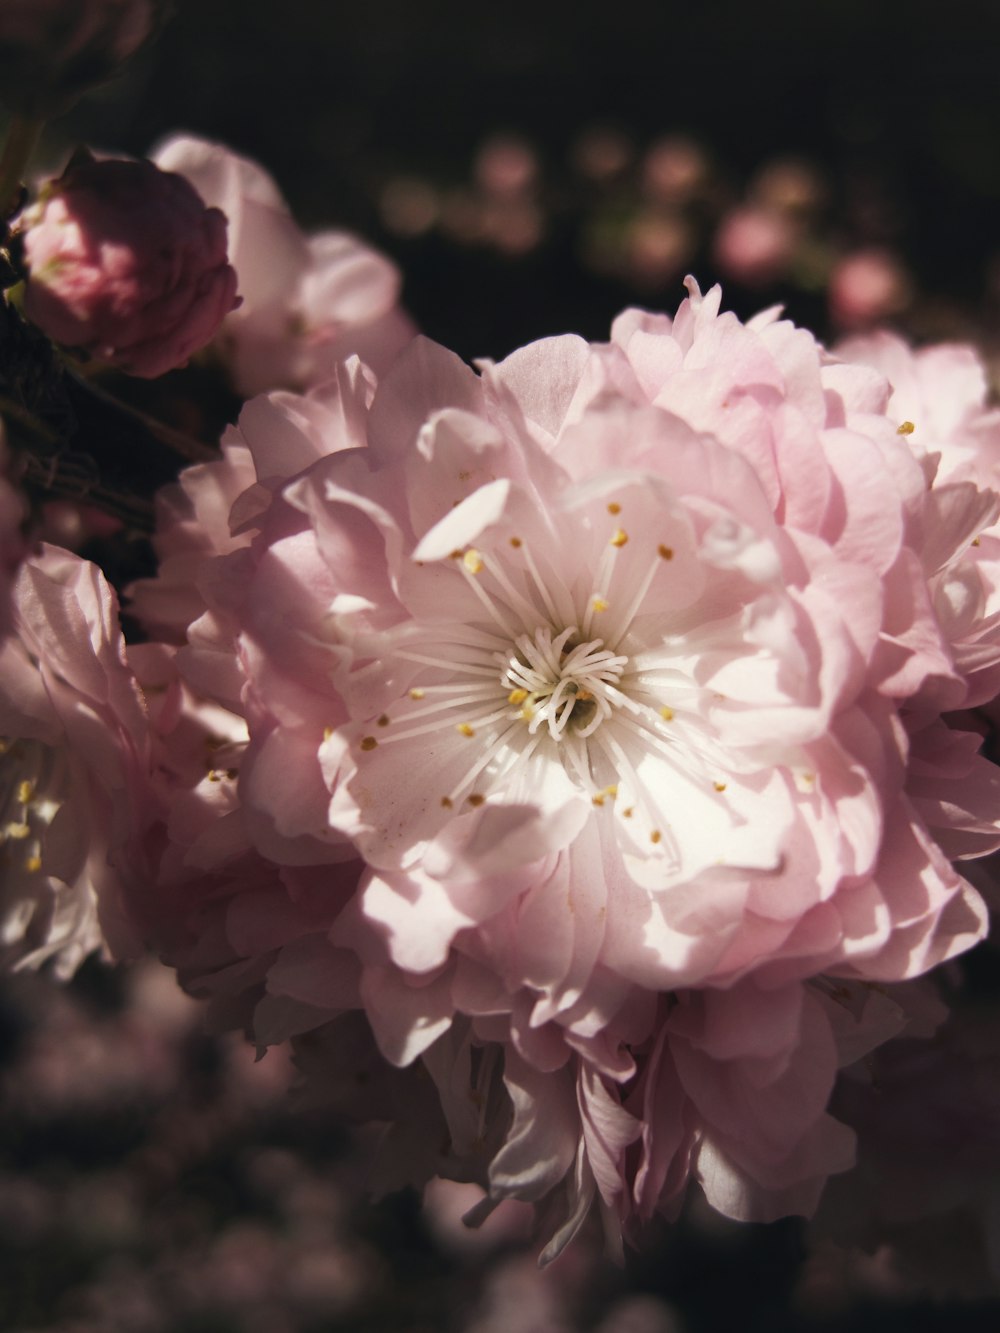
72 768
620 668
239 928
606 628
309 302
208 564
192 521
866 287
127 265
940 393
755 244
727 1090
939 397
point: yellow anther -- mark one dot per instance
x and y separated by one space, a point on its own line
665 552
33 864
526 713
584 695
517 696
906 428
597 798
719 786
620 537
456 554
515 542
614 507
446 801
416 694
475 799
17 831
667 713
465 729
383 721
655 836
368 743
628 812
327 733
25 791
598 603
472 560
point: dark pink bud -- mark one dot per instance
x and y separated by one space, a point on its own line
127 265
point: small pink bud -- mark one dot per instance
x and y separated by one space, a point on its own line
867 287
753 244
506 166
127 265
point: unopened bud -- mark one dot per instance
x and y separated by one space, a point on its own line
127 265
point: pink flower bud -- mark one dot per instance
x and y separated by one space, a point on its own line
52 51
866 287
754 244
127 265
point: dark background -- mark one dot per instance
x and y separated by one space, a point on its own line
900 102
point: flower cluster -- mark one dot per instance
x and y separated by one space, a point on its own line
574 730
572 757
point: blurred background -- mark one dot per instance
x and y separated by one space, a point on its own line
533 169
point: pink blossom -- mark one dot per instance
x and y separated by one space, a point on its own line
620 668
727 1090
866 287
309 302
277 437
192 522
754 244
694 803
72 760
127 265
939 397
239 928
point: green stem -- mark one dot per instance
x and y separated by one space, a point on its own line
22 138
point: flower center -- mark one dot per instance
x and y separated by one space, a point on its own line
564 683
507 697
